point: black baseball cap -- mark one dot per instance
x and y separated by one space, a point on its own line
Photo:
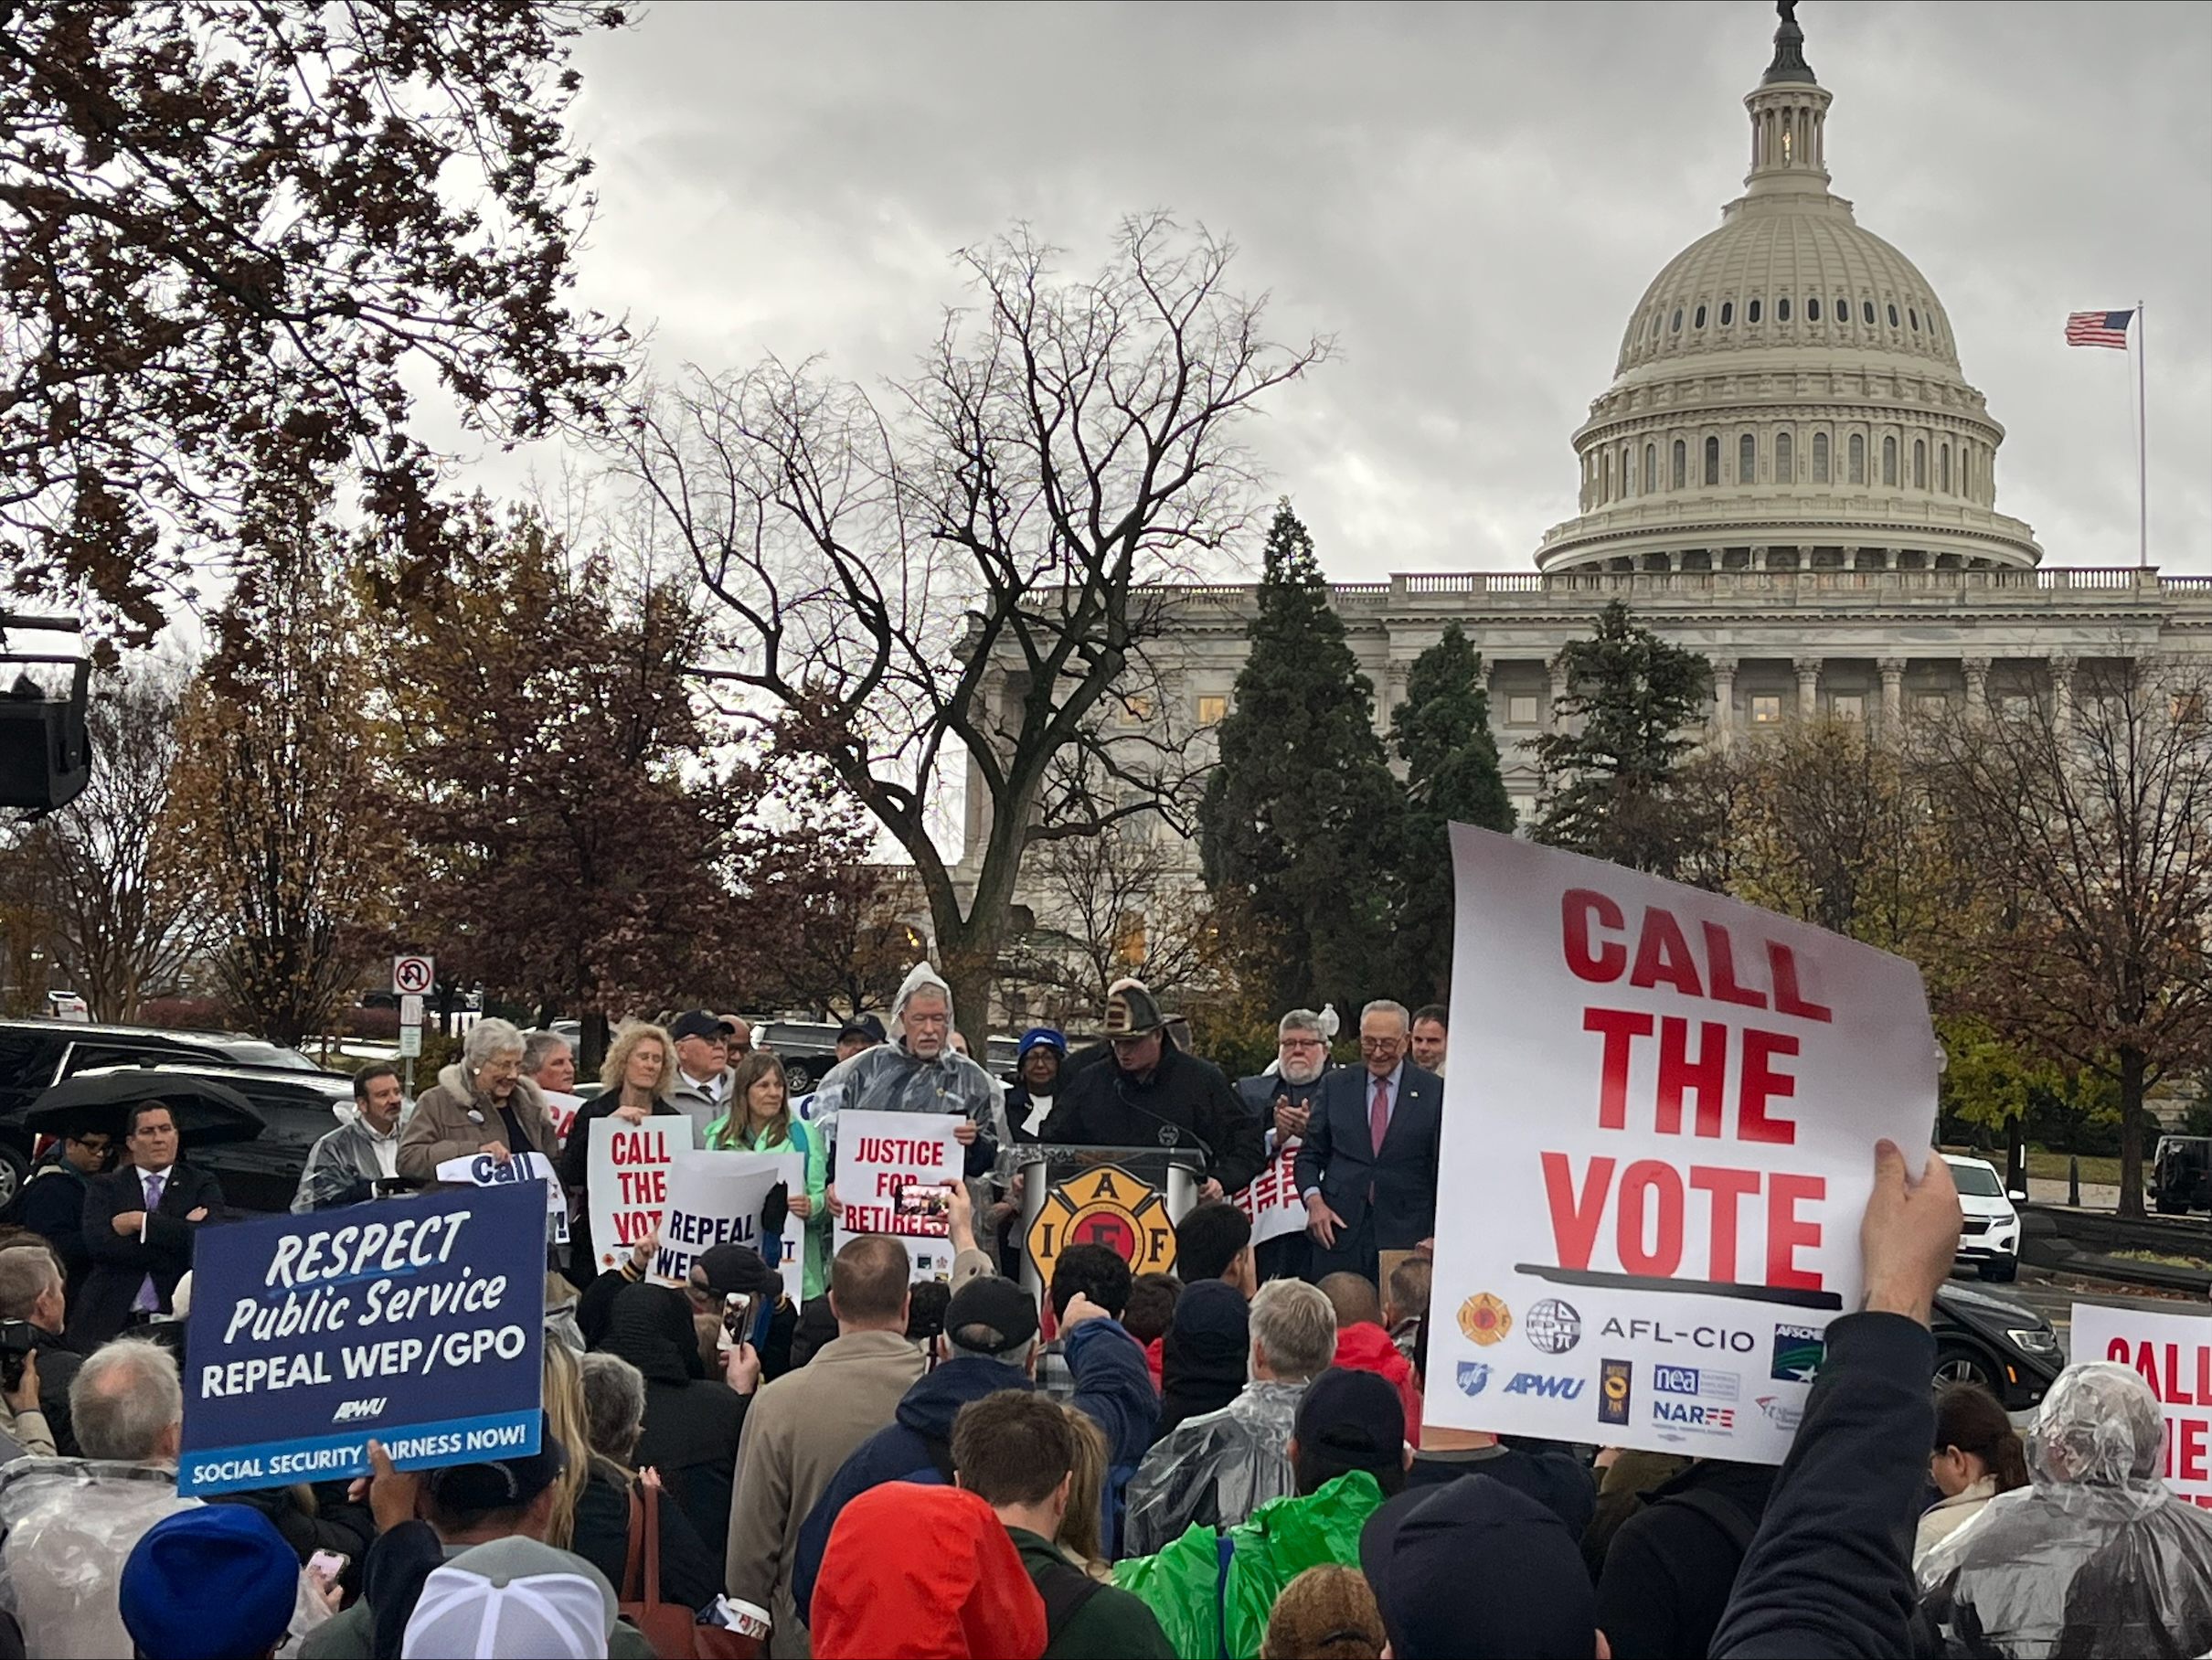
863 1026
500 1484
700 1023
990 1315
1354 1418
1422 1550
736 1268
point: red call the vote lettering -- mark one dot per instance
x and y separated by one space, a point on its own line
1651 1198
2185 1437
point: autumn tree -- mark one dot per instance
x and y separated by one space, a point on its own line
109 896
1610 786
943 585
2088 822
242 238
278 805
1442 731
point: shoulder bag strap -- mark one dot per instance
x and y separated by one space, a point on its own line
651 1599
632 1557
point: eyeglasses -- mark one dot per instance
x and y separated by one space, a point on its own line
1382 1046
1303 1043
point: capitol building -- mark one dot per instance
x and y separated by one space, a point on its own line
1790 475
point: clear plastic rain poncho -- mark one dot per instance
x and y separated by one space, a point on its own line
71 1524
888 1079
2096 1556
1216 1469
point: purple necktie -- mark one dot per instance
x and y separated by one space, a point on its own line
149 1300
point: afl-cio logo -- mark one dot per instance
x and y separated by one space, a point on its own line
1485 1319
1551 1327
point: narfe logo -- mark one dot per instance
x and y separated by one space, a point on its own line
1614 1377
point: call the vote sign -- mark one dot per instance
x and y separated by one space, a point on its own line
419 1321
2174 1353
1658 1141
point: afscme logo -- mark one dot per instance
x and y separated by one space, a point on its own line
1540 1383
351 1409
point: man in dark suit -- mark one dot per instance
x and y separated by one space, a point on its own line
1367 1166
139 1223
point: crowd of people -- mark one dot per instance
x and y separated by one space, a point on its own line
1232 1459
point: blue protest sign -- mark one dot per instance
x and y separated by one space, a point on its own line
417 1320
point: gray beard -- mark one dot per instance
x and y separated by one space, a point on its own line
1283 1070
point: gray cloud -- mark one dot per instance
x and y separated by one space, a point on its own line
1471 199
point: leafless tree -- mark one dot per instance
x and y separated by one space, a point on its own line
946 586
112 902
2089 822
1110 905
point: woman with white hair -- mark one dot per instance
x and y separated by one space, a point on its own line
482 1103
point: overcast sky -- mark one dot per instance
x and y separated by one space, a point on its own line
1471 199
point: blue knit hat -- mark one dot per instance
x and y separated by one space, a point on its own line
213 1580
1046 1035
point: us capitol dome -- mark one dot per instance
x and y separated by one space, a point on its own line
1788 393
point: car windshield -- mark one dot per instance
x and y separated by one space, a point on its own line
1978 1181
253 1054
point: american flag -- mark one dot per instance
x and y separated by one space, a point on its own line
2099 329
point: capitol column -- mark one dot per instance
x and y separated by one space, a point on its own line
1977 685
1893 695
2062 695
1559 690
1808 686
1723 701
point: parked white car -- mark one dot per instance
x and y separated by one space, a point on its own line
1989 1239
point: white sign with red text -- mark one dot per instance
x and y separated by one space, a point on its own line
626 1170
889 1164
1273 1201
2173 1353
1651 1184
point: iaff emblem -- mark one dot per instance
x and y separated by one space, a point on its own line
1104 1205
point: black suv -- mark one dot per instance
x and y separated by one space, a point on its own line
36 1055
2181 1173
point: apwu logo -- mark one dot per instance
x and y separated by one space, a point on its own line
353 1411
1543 1383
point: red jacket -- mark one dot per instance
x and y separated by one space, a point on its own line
1368 1348
925 1573
1152 1359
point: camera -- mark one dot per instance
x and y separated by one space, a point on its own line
18 1339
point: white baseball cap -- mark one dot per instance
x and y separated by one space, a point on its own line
513 1598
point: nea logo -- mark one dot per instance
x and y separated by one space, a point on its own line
353 1411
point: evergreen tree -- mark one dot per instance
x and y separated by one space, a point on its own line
1442 731
1300 823
1610 787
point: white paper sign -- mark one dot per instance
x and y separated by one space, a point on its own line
715 1198
1273 1201
2173 1353
561 1107
627 1169
881 1153
1658 1140
482 1170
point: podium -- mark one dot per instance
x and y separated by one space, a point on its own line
1128 1199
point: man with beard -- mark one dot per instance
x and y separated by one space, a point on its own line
1283 1100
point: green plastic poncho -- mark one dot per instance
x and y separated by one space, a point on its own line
1209 1611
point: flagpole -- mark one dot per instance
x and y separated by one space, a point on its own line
2142 451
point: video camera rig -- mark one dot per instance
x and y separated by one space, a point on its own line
45 755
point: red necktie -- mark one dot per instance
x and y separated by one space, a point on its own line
1378 1125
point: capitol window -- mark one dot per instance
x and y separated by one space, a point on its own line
1893 313
1785 458
1916 319
1681 464
1847 706
1728 312
1747 459
1520 711
1865 310
1712 461
1889 460
1858 459
1677 324
1812 310
1842 309
1819 458
1651 468
1943 473
1212 710
1782 309
1766 711
1752 314
1919 463
1698 321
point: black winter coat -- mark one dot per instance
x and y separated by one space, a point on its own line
691 1576
1103 1106
1672 1565
692 1422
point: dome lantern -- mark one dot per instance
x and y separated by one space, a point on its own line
1789 119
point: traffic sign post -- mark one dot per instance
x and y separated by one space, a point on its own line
412 977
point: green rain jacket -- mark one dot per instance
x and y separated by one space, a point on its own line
1211 1590
802 1138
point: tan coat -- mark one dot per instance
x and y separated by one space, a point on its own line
800 1429
441 1127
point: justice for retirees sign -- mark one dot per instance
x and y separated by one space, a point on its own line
415 1320
627 1172
715 1198
1658 1139
889 1166
2173 1353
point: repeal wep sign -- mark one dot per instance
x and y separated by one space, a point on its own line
715 1198
2174 1353
1658 1140
417 1320
627 1171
